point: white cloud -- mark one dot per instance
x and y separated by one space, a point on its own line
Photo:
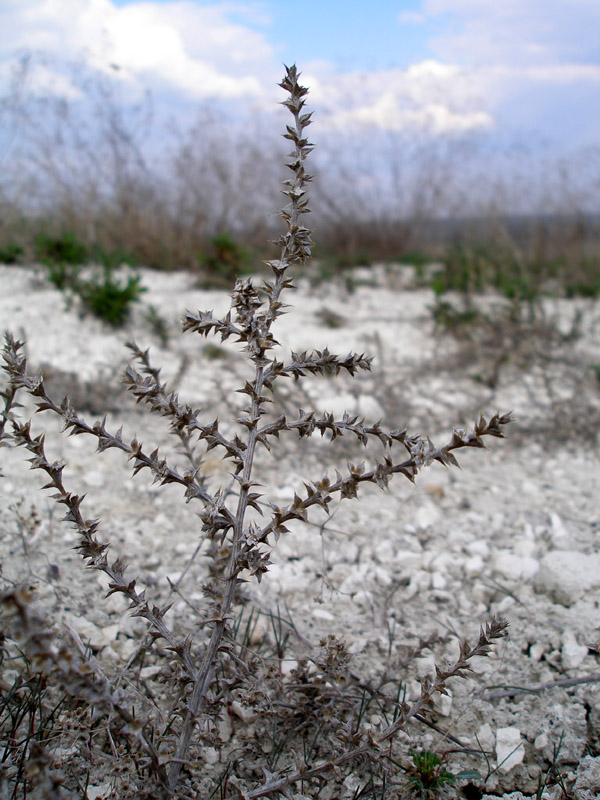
44 79
432 96
517 33
189 48
435 118
564 73
536 63
495 64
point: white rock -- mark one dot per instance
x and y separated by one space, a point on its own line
98 792
382 576
288 665
503 606
284 492
355 580
443 562
70 535
541 741
110 654
290 576
474 566
8 678
514 796
103 581
438 581
425 666
243 712
322 613
413 690
427 516
337 404
457 538
559 533
338 573
587 785
352 783
357 645
363 598
516 567
59 753
528 531
384 551
162 520
529 487
566 575
261 629
126 648
478 548
419 582
525 548
443 704
110 633
536 651
408 559
486 736
89 633
149 672
152 562
509 748
572 654
210 755
442 596
133 627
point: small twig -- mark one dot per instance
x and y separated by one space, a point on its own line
512 691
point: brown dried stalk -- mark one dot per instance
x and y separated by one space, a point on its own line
81 678
250 321
364 744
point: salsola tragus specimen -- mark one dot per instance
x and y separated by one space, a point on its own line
170 748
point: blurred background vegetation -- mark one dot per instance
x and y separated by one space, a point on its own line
95 182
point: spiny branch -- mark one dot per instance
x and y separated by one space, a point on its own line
94 551
369 743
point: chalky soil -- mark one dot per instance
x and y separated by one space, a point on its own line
514 534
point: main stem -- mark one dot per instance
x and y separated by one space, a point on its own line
206 671
292 250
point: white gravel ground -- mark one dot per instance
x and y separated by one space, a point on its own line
515 533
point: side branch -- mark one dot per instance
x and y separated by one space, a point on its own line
94 551
422 454
151 391
372 743
322 362
16 367
184 419
81 678
307 423
202 322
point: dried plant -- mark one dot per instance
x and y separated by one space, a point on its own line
208 667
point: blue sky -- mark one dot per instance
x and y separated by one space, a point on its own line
497 68
351 35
